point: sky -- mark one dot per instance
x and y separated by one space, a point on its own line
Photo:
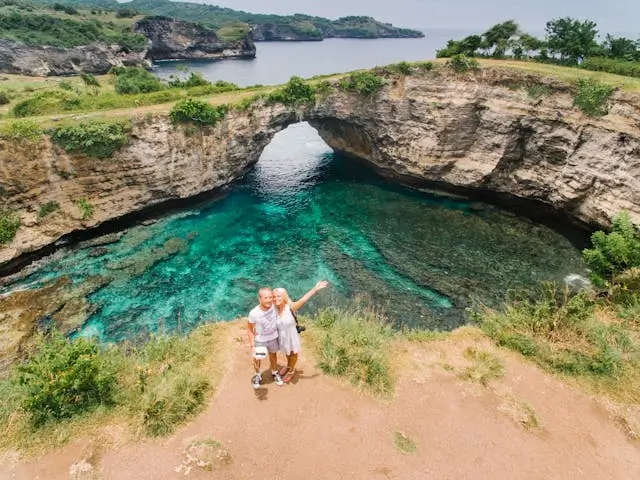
612 16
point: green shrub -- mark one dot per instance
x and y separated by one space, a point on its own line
354 344
460 63
592 97
196 111
86 208
365 83
126 13
136 80
48 208
612 65
615 252
323 88
403 68
426 66
90 80
65 378
65 85
195 79
4 98
95 139
45 102
68 9
295 92
9 225
21 130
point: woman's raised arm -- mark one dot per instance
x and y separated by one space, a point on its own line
305 298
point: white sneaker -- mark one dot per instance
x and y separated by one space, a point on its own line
256 381
277 379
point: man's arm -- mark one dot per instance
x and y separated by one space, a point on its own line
251 333
305 298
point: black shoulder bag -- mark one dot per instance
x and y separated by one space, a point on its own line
299 328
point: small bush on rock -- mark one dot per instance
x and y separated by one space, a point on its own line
295 92
9 224
48 208
461 63
365 83
592 97
95 139
197 111
86 208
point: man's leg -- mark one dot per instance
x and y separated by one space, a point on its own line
273 361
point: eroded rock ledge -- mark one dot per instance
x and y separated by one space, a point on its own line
473 133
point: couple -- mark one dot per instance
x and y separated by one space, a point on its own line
272 328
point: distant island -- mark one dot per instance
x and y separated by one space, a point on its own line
232 25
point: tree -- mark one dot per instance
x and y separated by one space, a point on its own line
469 45
621 48
499 36
572 39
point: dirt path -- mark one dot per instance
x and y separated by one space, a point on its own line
319 428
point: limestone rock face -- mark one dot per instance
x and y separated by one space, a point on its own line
171 39
472 133
161 162
480 133
98 58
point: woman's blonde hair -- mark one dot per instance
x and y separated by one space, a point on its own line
283 291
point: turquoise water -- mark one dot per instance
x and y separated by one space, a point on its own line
303 215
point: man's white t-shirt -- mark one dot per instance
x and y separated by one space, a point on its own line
265 322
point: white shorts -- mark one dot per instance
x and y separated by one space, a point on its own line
273 346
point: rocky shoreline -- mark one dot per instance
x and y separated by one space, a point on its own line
168 39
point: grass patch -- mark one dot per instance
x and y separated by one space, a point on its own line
537 91
354 344
86 208
485 366
404 443
577 336
47 209
153 387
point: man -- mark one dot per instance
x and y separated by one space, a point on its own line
263 332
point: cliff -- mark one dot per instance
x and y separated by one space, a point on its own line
97 58
475 134
171 39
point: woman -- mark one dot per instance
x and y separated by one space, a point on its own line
288 335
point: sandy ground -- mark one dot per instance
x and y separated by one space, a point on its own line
321 428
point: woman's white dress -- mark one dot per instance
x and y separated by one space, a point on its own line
288 336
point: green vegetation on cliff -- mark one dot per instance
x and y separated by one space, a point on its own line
94 139
567 42
38 25
72 385
594 334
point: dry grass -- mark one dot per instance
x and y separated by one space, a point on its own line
404 443
485 366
